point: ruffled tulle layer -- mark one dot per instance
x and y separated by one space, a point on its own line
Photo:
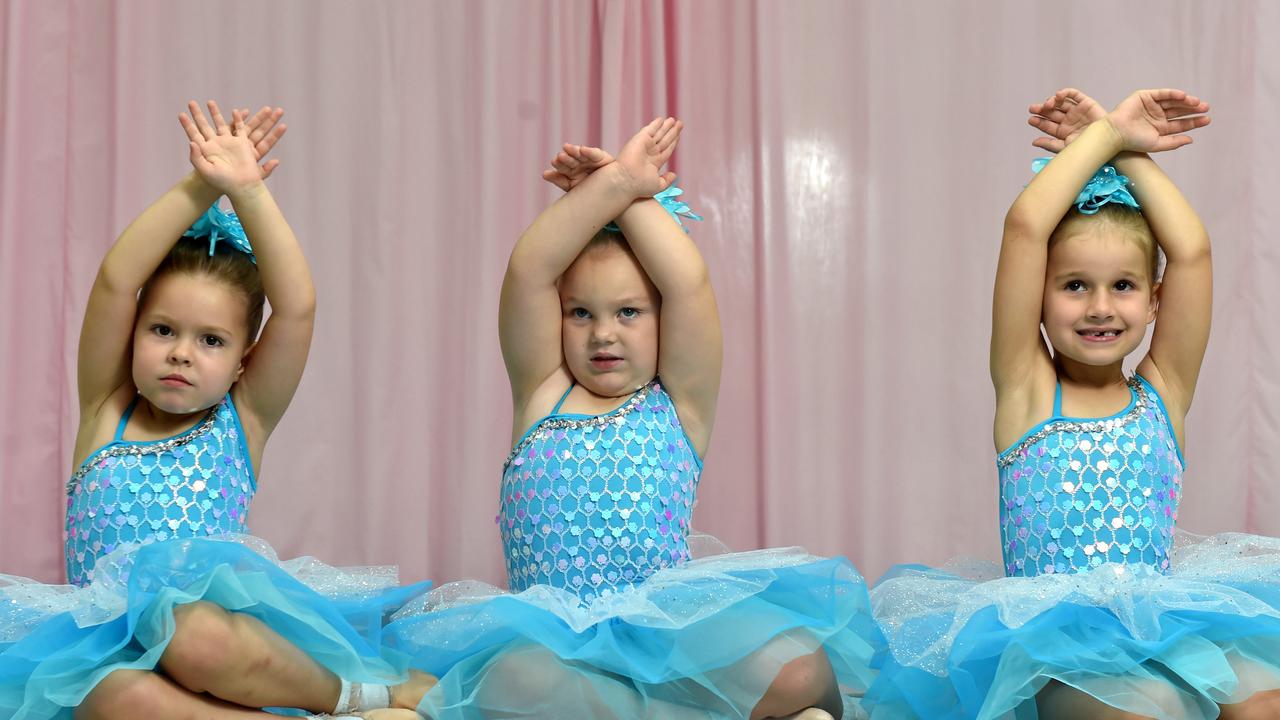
964 642
704 639
58 641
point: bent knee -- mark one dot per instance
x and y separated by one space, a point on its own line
203 634
125 694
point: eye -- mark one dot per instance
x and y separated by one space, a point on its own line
162 330
628 313
579 314
212 341
1124 285
1074 286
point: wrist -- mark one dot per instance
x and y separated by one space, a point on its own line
1111 135
249 192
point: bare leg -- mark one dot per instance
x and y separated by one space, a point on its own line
239 659
1260 706
1057 700
804 684
129 694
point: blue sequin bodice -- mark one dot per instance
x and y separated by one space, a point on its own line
1076 493
193 484
596 503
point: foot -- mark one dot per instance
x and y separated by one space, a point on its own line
408 694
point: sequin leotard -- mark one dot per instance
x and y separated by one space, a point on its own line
193 484
1078 492
596 503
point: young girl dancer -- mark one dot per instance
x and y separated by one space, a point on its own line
612 343
1100 615
178 395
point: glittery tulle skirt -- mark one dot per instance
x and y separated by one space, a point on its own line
703 639
58 641
965 642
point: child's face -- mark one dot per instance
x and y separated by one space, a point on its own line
1098 296
188 342
610 325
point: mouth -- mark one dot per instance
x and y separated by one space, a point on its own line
1099 335
605 361
175 380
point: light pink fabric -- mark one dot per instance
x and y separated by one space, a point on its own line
853 161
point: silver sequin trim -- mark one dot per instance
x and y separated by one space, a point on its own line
160 447
555 423
1076 426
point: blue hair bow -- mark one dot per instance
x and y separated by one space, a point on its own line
675 208
221 226
1106 186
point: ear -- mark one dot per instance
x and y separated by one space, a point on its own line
1153 307
245 359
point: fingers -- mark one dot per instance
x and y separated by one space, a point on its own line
264 145
201 122
189 125
269 168
1053 145
670 134
593 154
219 123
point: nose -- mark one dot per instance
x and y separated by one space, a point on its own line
1100 306
180 353
603 331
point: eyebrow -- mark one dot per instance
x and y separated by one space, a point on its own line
624 302
155 317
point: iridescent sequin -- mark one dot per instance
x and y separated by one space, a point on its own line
194 484
1075 494
594 504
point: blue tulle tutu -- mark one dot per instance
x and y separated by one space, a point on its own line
966 642
58 641
702 639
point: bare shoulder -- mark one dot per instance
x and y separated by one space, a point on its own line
1174 404
697 416
1023 403
539 402
97 425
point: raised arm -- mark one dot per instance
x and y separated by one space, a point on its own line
106 336
690 344
529 312
1186 289
223 156
1018 351
1181 332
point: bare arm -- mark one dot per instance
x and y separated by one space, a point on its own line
106 337
529 313
690 345
224 158
1186 290
1017 348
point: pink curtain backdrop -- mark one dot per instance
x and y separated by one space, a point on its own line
853 160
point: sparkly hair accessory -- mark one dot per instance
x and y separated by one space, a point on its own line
224 227
1106 186
675 208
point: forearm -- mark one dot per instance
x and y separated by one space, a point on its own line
1052 192
555 238
148 239
286 277
664 249
1176 226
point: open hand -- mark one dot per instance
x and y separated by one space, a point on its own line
642 158
1063 117
573 164
1157 120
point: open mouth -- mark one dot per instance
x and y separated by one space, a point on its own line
605 361
1099 335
